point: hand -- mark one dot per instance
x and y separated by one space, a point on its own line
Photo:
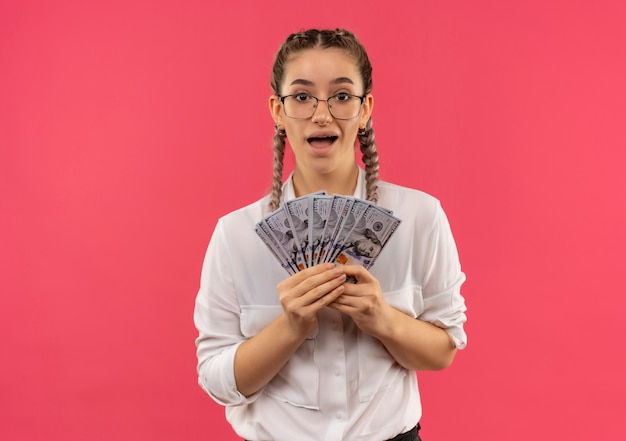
306 292
364 301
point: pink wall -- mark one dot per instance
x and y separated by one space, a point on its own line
127 128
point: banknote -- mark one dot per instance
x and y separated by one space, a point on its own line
345 204
318 228
335 216
262 230
351 218
297 211
280 230
319 209
366 239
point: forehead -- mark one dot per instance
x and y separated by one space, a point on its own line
322 67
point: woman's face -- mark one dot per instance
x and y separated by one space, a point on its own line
322 144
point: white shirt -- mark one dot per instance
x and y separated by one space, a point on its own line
341 384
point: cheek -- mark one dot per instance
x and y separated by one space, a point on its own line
350 139
292 130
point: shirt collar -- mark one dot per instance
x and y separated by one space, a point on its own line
359 192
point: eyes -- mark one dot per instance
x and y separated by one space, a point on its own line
342 97
302 105
305 97
302 97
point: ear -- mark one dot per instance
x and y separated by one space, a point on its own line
368 106
276 109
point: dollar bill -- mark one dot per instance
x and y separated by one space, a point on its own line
335 217
350 220
280 230
319 209
319 228
297 211
263 231
367 238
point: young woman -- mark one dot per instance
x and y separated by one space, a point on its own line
312 356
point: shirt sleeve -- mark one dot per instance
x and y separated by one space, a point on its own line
444 306
217 318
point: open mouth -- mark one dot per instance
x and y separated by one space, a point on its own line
321 141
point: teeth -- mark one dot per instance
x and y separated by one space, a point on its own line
323 137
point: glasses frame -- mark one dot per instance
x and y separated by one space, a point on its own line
317 102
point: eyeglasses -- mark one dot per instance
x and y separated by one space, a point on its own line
303 106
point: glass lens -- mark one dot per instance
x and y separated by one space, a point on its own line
342 106
300 106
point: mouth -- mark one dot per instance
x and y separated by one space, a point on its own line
322 141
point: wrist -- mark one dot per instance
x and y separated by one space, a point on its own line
295 331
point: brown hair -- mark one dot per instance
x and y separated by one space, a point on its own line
325 39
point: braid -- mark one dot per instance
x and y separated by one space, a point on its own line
277 181
370 159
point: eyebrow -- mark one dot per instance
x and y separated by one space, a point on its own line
303 82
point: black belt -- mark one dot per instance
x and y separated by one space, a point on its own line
411 435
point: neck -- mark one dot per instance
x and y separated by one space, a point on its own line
337 182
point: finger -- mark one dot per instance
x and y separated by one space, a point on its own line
359 273
346 300
331 297
322 290
311 289
320 278
301 276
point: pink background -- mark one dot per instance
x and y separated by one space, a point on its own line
127 128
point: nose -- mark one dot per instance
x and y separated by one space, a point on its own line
321 115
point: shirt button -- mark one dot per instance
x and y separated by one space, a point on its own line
337 373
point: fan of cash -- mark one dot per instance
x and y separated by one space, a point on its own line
319 228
